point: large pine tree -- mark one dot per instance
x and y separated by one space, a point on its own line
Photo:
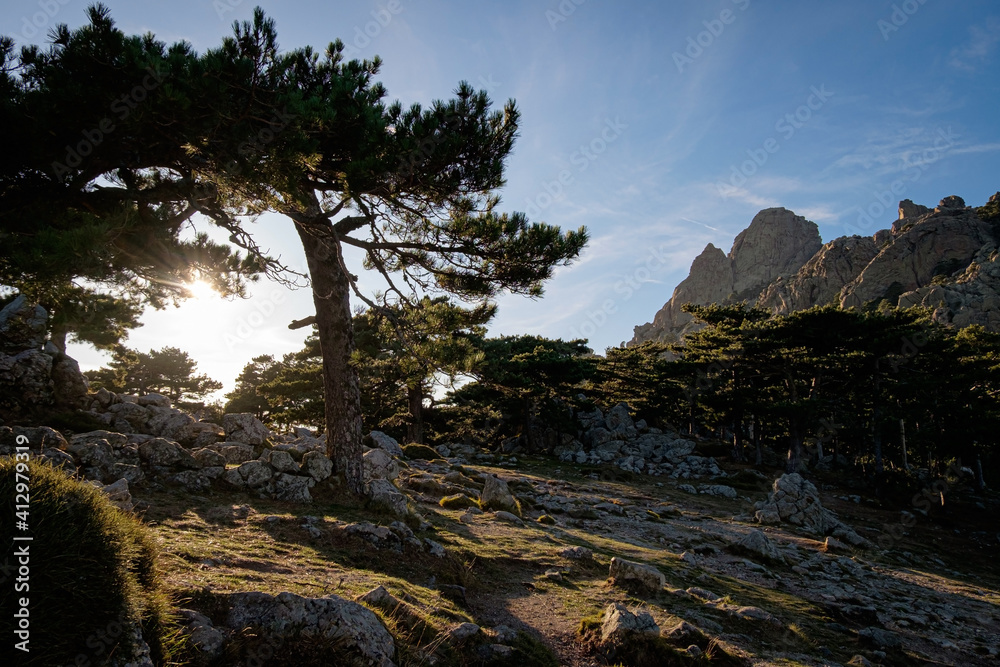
246 129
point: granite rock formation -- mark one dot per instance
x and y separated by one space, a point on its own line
944 258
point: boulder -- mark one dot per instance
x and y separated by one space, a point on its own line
384 494
618 623
281 461
251 474
22 326
619 422
796 501
292 488
646 576
208 457
158 400
378 464
244 427
757 545
317 465
380 440
285 616
496 496
166 453
119 495
69 385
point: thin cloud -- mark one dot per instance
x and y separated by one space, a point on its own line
979 46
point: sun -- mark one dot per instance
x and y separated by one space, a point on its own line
200 290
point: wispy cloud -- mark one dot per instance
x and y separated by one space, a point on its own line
981 42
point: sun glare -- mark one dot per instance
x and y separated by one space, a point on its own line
201 290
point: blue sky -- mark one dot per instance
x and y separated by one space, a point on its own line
661 126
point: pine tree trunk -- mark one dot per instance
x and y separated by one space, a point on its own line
332 297
415 429
794 446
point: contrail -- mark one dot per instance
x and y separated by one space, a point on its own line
702 224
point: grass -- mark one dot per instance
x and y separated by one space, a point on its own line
91 570
495 572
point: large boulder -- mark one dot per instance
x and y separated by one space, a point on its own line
795 500
244 427
22 326
496 496
378 464
619 623
251 474
384 494
69 386
317 465
380 440
292 488
286 616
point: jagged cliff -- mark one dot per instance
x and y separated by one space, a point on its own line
945 259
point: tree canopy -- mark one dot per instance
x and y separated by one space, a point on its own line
246 128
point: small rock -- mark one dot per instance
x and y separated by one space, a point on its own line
577 553
628 571
464 631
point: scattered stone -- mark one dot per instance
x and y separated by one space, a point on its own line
624 571
879 638
463 632
577 553
507 517
435 548
497 496
119 495
286 615
757 545
618 623
833 544
720 490
702 594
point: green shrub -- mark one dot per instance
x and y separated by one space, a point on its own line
457 501
415 451
92 577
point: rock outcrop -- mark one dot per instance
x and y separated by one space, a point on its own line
776 244
944 258
35 377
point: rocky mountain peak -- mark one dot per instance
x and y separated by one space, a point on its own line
944 258
776 243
